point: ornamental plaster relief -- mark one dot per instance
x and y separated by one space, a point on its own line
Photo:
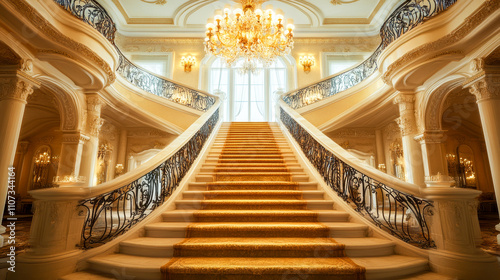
50 31
486 88
468 25
14 88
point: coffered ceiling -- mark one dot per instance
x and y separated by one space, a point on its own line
312 18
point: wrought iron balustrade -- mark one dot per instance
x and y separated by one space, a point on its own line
96 16
111 214
162 87
407 16
91 13
403 215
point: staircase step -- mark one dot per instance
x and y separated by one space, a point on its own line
265 268
191 215
367 246
128 266
150 247
253 194
272 229
392 267
89 275
256 185
234 247
254 204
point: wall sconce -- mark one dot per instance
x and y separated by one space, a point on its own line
307 61
187 62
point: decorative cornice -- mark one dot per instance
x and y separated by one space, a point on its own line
50 31
430 137
469 24
74 138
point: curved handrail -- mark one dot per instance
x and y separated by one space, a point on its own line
407 16
397 209
92 13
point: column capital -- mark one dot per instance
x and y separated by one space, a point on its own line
94 103
74 137
406 102
485 84
16 85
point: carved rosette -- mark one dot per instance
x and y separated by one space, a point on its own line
15 88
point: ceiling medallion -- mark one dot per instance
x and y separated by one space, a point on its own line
340 2
157 2
249 33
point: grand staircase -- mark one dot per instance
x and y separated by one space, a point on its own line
253 213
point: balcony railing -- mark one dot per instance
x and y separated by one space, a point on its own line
401 214
407 16
111 214
90 12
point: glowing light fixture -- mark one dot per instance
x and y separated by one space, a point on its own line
187 62
307 61
250 33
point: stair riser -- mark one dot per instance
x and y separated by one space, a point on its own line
277 252
252 196
253 207
223 232
150 251
143 274
252 177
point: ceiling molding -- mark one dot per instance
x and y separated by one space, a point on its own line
368 20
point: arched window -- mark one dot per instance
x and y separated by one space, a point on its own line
249 95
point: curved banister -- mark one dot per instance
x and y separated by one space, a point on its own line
114 207
92 13
391 204
407 16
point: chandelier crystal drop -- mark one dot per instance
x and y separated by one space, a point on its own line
251 33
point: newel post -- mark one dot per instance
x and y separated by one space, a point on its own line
55 235
455 229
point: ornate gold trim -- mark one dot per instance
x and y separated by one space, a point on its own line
49 30
355 20
456 35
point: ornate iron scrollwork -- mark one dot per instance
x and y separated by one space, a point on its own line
91 13
406 17
403 215
111 214
96 16
163 88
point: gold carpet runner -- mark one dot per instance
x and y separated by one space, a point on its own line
253 223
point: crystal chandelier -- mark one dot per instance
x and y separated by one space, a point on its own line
250 33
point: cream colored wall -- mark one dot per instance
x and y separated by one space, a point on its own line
194 47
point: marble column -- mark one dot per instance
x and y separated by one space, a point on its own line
486 87
68 171
432 152
122 150
414 168
91 147
379 141
15 87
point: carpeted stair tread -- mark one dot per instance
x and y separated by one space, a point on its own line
259 247
251 169
258 267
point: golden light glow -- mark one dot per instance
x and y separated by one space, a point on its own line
250 33
187 62
307 61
